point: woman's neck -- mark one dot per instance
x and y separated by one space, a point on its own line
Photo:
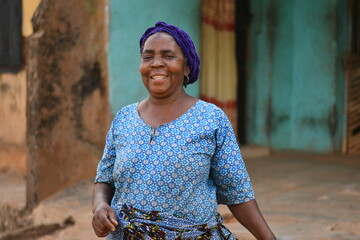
173 100
156 111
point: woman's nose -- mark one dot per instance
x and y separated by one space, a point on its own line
157 62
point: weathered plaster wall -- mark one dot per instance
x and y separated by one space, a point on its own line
13 151
128 20
296 89
13 122
67 101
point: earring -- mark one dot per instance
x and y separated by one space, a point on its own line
186 79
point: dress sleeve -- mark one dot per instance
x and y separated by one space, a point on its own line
228 170
105 166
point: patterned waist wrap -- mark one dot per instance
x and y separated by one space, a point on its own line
139 224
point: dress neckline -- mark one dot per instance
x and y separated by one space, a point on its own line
164 124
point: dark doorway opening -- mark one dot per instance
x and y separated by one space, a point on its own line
242 27
10 36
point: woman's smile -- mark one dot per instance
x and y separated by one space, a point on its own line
158 78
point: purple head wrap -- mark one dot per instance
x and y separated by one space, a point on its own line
183 40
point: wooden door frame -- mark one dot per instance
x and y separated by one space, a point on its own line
352 73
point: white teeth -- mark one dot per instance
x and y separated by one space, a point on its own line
158 77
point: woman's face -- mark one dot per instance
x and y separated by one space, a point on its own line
163 66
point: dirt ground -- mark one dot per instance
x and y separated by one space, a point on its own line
302 196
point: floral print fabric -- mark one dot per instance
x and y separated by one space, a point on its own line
138 224
184 168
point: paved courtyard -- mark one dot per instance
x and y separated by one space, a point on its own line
302 196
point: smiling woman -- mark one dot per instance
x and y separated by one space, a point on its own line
171 159
163 67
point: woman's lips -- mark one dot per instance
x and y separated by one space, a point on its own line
158 77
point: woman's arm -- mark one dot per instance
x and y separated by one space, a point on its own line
249 215
104 218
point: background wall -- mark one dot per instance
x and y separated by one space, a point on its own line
67 98
296 85
128 20
13 152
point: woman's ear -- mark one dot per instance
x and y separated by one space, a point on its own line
187 70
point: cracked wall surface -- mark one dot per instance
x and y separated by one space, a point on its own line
67 97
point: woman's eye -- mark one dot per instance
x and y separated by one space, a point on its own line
146 57
169 56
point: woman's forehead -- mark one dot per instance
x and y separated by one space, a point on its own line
162 39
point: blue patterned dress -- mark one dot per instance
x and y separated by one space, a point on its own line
182 169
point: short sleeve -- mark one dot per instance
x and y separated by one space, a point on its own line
105 166
228 170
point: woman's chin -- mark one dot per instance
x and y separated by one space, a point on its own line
158 89
158 93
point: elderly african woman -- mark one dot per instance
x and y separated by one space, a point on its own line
170 159
185 43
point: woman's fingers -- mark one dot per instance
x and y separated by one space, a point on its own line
112 217
100 230
104 221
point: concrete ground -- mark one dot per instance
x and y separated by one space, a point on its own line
302 196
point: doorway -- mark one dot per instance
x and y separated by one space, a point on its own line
242 27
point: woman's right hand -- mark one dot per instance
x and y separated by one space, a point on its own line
104 220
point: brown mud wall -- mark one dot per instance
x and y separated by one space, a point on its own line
67 97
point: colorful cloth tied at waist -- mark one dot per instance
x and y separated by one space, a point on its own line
139 224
